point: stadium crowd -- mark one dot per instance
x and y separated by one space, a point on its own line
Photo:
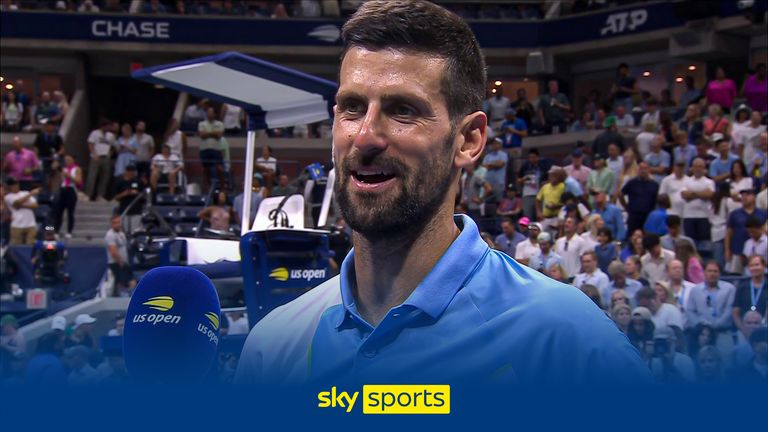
661 220
524 10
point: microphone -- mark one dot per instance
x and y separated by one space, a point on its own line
171 332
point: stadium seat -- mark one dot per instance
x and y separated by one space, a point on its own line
194 200
165 199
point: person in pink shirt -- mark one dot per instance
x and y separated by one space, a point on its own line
755 89
20 162
715 122
721 90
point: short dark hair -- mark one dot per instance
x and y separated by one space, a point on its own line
663 201
754 222
567 196
674 221
606 232
533 151
423 27
650 240
645 293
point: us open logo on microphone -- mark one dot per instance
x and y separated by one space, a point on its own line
210 333
161 304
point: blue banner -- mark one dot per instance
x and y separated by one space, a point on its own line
234 31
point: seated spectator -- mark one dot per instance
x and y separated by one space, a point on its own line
511 205
606 250
22 205
153 7
621 282
621 314
266 165
571 246
529 247
283 188
546 256
166 167
12 113
21 163
686 252
715 122
720 168
665 316
656 259
644 139
256 198
755 372
592 275
651 116
584 124
81 332
678 286
666 363
88 7
674 233
624 121
593 293
127 147
742 353
219 223
641 329
691 123
610 136
751 294
509 238
594 223
755 89
658 219
757 243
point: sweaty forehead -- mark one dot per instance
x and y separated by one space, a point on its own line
390 70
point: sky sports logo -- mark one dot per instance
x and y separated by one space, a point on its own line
391 399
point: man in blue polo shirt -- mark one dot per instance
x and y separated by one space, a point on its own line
421 298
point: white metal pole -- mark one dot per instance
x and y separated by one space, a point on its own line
250 152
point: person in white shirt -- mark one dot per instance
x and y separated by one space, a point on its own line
100 142
624 121
529 247
266 164
672 185
238 323
665 316
166 166
746 136
644 140
22 205
655 260
231 116
697 210
757 244
571 246
175 138
592 275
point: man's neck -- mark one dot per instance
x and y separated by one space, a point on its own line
758 281
388 271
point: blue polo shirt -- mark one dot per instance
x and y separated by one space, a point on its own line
478 315
719 167
613 219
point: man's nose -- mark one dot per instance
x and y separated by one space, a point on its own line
370 137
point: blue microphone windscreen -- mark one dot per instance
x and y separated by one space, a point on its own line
171 330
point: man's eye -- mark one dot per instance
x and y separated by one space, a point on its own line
404 111
352 107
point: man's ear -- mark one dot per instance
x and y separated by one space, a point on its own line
472 133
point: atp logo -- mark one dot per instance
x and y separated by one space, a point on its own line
160 303
621 22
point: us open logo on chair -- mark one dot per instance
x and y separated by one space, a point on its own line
282 274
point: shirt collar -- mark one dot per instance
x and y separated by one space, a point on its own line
433 295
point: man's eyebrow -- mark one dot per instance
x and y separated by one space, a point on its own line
349 94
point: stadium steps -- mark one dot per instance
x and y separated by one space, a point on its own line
92 221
